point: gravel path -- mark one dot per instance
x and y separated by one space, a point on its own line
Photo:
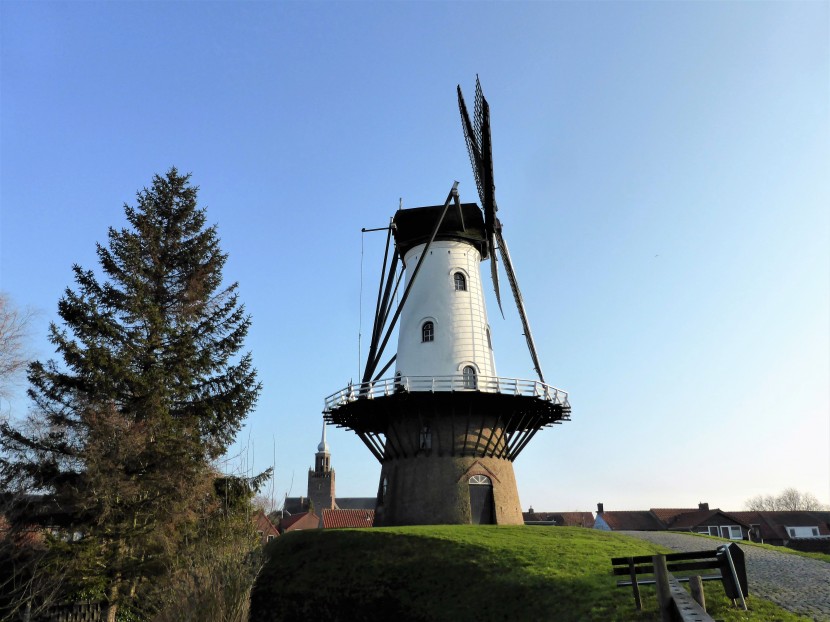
796 583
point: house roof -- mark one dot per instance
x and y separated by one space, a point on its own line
295 505
336 519
773 524
355 503
287 522
575 519
694 518
823 515
632 520
264 524
666 515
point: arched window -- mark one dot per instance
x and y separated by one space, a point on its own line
427 332
469 377
460 282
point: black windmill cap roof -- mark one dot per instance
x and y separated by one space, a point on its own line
414 226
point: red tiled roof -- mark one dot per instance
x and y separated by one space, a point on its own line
634 520
335 519
667 514
289 521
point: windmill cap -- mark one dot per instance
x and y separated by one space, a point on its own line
414 226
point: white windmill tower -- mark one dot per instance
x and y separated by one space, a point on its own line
446 428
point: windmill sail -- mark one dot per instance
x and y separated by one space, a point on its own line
477 137
479 146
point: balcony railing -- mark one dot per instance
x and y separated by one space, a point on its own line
434 384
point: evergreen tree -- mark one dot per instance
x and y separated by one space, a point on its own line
116 453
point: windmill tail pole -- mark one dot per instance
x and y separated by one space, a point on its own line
514 285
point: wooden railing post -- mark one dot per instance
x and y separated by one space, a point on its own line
696 587
661 576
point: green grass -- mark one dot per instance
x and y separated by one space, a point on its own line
463 573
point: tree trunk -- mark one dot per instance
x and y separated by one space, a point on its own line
112 605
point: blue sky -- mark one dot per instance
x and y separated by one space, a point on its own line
662 177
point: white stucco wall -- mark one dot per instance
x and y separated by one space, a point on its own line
460 317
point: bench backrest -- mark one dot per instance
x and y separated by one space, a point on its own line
693 560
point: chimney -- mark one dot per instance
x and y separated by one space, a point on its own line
599 508
703 506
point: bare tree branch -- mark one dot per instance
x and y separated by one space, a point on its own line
14 331
789 500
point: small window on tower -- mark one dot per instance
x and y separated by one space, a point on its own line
469 377
382 491
427 332
426 438
460 282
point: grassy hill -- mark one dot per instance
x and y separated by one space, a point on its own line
462 573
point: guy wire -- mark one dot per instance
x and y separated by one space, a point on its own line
360 318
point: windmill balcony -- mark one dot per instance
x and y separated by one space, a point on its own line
437 384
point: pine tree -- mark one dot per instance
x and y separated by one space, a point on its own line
152 387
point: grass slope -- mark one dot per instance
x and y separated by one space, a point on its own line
462 573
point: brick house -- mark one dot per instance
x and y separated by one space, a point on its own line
264 527
697 520
807 531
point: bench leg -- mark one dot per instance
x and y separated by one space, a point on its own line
632 571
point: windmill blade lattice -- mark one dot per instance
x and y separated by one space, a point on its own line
479 145
477 137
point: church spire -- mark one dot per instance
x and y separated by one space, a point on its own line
322 459
323 447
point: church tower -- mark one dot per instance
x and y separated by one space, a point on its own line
321 478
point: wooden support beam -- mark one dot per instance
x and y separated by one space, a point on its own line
634 586
684 608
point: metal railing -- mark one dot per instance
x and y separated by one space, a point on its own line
433 384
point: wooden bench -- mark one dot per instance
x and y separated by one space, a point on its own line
727 561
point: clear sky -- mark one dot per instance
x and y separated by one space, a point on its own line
662 174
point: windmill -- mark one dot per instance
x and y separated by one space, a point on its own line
445 427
